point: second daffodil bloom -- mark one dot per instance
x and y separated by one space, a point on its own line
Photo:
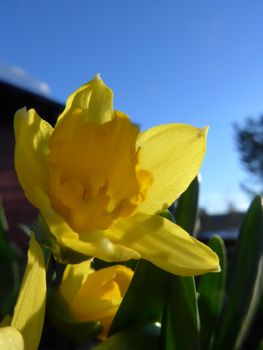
95 295
98 182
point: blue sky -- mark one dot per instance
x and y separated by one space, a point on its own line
198 62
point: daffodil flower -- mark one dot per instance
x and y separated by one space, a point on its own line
99 183
94 295
25 329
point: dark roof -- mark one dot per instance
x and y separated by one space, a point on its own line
13 98
18 209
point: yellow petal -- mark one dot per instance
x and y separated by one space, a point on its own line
101 247
94 99
32 134
56 224
102 292
30 307
165 244
173 153
101 295
73 279
93 243
11 339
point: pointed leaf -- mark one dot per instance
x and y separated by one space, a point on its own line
3 221
211 289
143 302
245 283
141 337
260 347
254 336
180 323
9 270
186 209
180 319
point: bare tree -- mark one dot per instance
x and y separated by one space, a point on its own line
249 140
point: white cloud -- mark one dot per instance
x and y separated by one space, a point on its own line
18 76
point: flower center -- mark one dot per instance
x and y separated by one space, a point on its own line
94 171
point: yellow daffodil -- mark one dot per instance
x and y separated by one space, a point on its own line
25 329
99 183
95 295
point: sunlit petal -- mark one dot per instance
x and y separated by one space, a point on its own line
30 307
94 99
165 244
73 279
173 153
32 134
102 248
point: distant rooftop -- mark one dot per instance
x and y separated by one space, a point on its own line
18 209
13 98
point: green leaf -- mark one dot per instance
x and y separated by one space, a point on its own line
167 215
143 301
260 347
186 210
244 288
3 221
254 336
141 337
9 270
211 289
180 322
